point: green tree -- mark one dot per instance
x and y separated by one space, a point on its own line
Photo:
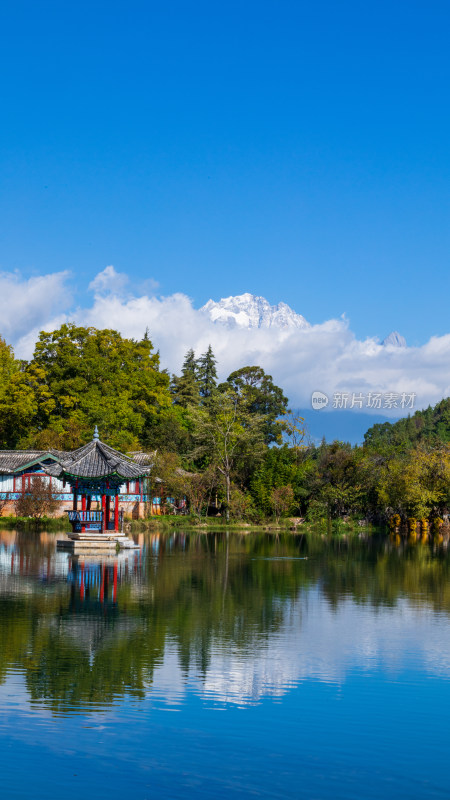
242 506
89 376
294 430
281 500
229 436
17 398
198 487
430 426
186 388
207 375
283 466
172 432
261 397
415 486
335 483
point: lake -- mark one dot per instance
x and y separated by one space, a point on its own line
225 665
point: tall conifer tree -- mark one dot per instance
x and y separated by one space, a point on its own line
207 374
186 389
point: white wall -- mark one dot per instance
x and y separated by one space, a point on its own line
6 483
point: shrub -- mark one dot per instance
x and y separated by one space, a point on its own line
38 502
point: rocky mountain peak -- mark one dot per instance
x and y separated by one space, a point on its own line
395 339
251 311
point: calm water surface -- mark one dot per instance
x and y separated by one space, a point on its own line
225 666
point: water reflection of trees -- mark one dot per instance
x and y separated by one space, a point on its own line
78 648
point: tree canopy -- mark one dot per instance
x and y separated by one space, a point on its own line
77 378
261 397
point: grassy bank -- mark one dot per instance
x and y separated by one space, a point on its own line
170 523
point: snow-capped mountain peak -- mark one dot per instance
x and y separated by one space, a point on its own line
249 311
395 339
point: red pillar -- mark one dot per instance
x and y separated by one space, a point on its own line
116 513
83 508
108 510
102 585
115 583
103 512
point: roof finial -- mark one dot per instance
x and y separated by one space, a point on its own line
96 436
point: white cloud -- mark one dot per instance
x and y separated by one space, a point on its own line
321 643
108 281
28 304
325 357
148 286
314 642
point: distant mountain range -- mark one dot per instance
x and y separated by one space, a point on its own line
249 311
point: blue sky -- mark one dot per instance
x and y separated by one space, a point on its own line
298 151
294 150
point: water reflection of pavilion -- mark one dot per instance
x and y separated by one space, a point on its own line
95 580
27 566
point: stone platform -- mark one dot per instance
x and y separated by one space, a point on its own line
94 540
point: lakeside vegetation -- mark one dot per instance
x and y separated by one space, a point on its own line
233 449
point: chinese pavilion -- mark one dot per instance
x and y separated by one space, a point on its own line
95 473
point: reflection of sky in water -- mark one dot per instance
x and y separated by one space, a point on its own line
313 640
318 643
314 643
321 701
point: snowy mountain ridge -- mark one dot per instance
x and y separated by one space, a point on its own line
249 311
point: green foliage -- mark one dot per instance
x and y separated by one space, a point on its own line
281 466
87 376
17 399
261 397
335 484
186 389
417 485
282 500
228 436
173 431
430 427
294 432
207 375
242 506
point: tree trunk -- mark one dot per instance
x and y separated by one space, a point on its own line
228 482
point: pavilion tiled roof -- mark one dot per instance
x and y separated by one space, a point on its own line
94 460
97 460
